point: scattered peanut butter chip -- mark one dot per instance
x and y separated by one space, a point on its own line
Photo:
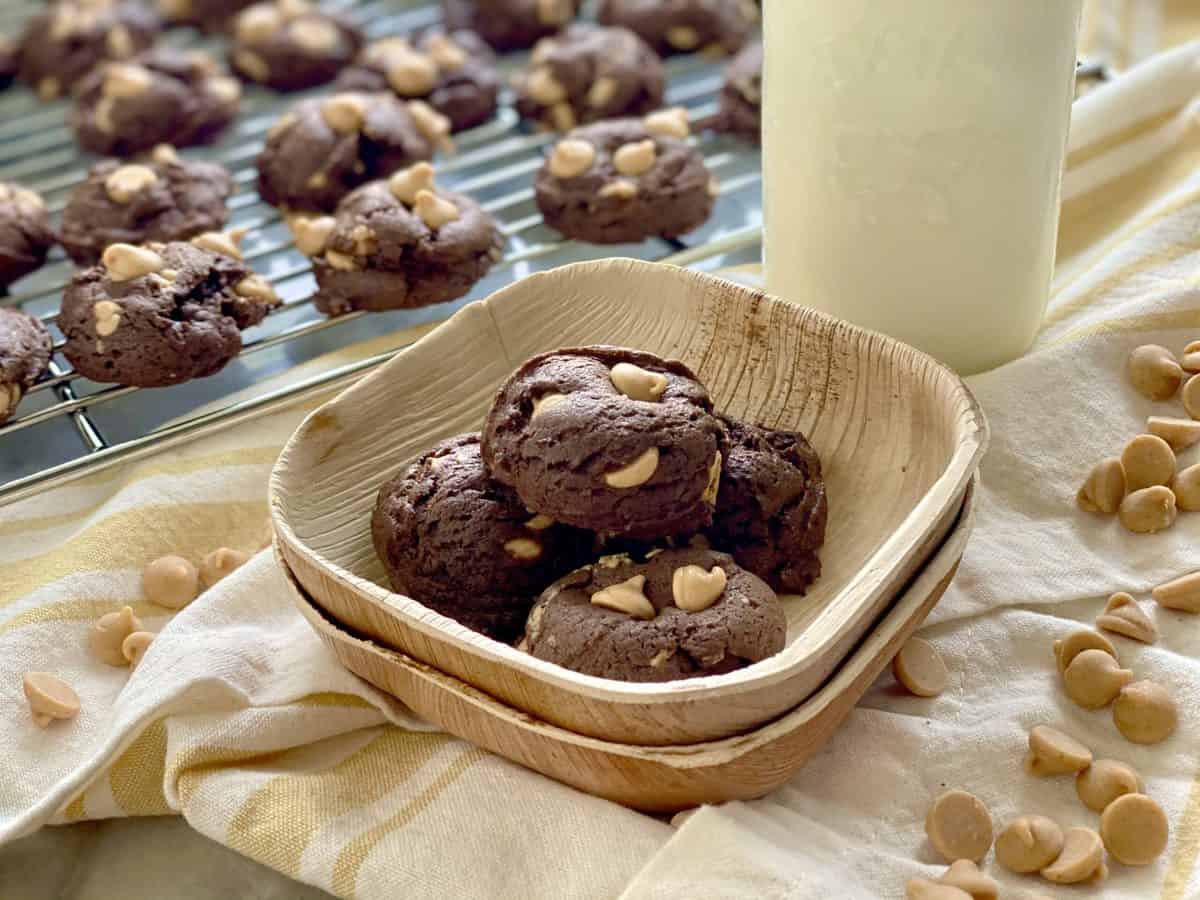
1149 510
1094 678
1154 372
1186 488
924 889
523 548
637 383
344 113
1029 844
1123 615
124 262
965 875
1148 460
671 122
1145 713
546 402
109 632
1104 488
1181 594
920 668
134 647
695 590
1053 753
436 212
170 581
1179 433
627 597
221 563
218 242
636 158
1134 829
1076 642
959 826
311 234
126 182
636 473
571 157
1082 857
1104 781
49 698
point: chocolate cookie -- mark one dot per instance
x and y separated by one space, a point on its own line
625 180
682 26
399 244
509 24
161 314
771 508
740 109
289 45
164 96
614 440
25 348
64 41
680 614
25 233
454 73
325 147
9 62
162 198
587 73
210 15
455 540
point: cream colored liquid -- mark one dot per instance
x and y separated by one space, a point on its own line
913 152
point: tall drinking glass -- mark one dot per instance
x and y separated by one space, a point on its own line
913 154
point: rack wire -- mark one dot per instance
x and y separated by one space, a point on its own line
68 426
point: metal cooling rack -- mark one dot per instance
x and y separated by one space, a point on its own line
68 426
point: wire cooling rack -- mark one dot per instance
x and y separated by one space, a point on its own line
68 426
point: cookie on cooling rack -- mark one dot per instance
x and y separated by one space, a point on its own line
682 26
161 198
509 24
679 614
67 38
454 72
25 348
325 147
399 244
740 110
614 440
25 233
625 180
455 540
771 508
290 45
586 73
161 314
210 15
164 96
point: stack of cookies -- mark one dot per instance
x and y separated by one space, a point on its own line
610 521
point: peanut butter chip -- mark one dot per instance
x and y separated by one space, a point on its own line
225 89
256 24
1053 753
220 564
1148 460
135 646
1029 844
170 581
340 261
217 242
164 155
1154 372
554 12
315 35
1182 594
436 212
344 113
252 64
1149 510
696 590
542 87
1191 397
539 523
636 158
1104 781
312 234
1134 829
562 117
627 597
920 668
1186 488
109 632
1105 487
571 158
125 80
602 91
49 698
119 43
1179 433
959 826
107 315
683 37
620 188
636 473
258 289
445 53
1076 642
1123 615
965 875
671 122
637 383
924 889
523 548
1082 856
431 123
546 402
411 74
125 262
127 182
1145 713
1094 678
407 183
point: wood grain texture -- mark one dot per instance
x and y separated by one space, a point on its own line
900 437
651 778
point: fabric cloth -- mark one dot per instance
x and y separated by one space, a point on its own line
238 719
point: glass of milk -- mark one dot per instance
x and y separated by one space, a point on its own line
913 154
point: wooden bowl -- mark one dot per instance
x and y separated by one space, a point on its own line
900 437
656 779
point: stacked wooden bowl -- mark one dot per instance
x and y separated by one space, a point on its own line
900 438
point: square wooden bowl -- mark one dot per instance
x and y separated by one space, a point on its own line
899 435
